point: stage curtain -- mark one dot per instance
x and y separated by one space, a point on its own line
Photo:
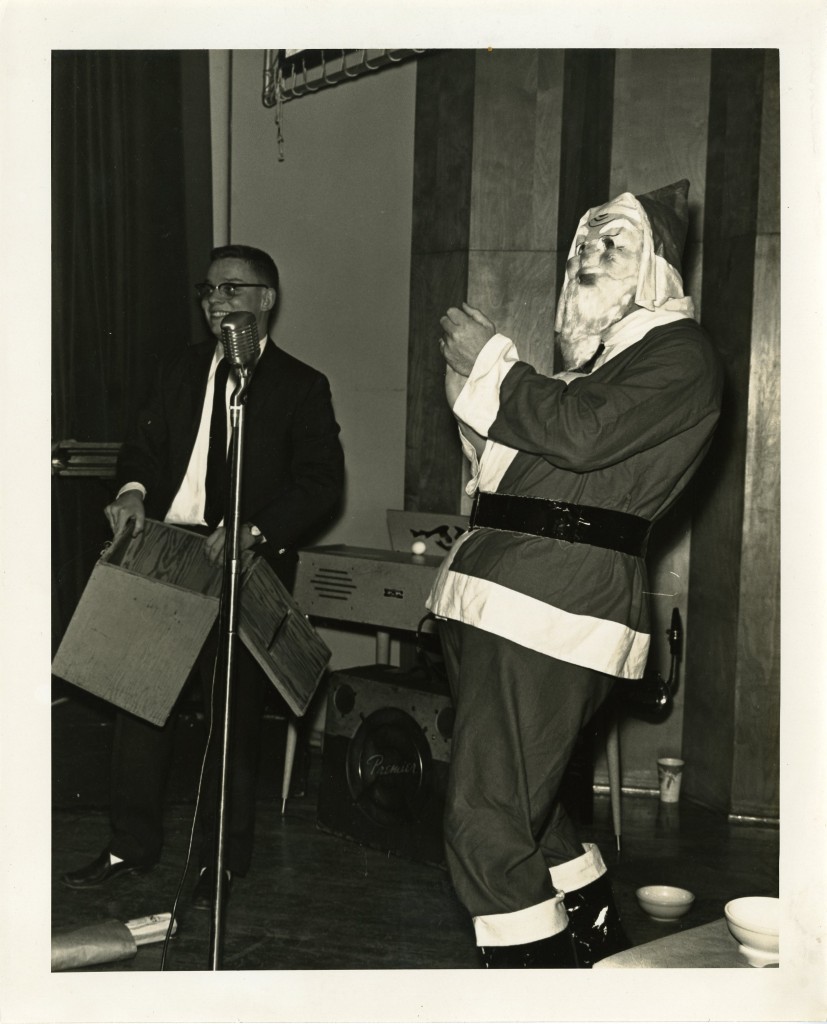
131 231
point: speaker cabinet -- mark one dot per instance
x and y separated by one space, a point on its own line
387 745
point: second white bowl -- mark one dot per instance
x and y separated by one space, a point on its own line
753 921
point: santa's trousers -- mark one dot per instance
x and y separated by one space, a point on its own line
517 719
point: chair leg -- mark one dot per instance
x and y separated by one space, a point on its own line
289 756
613 761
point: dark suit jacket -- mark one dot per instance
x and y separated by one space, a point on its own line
293 469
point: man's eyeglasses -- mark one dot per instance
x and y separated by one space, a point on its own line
229 289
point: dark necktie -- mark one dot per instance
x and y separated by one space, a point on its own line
216 482
588 366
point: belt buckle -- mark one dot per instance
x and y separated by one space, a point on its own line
565 525
474 507
580 526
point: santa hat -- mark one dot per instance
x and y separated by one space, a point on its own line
668 211
663 216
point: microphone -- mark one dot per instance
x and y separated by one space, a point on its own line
239 336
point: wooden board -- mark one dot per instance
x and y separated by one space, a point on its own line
167 554
662 95
755 784
518 292
148 607
443 161
585 141
660 121
280 638
720 541
133 642
516 153
433 457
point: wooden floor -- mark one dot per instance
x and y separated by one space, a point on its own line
314 900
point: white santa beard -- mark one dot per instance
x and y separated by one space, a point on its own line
589 311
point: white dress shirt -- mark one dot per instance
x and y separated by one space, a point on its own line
187 508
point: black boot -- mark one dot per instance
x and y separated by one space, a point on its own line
595 922
593 916
555 951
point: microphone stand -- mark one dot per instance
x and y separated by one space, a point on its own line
227 649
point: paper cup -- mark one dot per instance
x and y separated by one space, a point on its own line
669 779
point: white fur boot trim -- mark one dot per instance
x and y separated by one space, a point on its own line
528 925
577 873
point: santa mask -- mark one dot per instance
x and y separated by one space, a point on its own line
625 256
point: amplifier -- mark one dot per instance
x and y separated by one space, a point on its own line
387 746
383 589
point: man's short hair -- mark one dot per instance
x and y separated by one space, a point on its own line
263 264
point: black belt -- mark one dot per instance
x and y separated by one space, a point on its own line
579 524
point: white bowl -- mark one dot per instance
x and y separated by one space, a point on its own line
664 902
753 922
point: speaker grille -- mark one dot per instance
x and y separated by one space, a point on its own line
385 762
388 766
333 584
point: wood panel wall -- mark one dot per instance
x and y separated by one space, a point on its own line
755 786
732 722
440 236
511 148
660 136
516 172
586 143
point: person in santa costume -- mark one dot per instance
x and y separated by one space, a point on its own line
544 599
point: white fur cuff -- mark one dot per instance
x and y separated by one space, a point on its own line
520 926
577 873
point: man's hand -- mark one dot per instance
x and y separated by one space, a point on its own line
465 333
129 506
214 545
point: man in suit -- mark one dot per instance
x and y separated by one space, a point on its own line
292 480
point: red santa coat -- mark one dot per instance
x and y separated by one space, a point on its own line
627 437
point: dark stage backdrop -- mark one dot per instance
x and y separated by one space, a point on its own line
131 233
